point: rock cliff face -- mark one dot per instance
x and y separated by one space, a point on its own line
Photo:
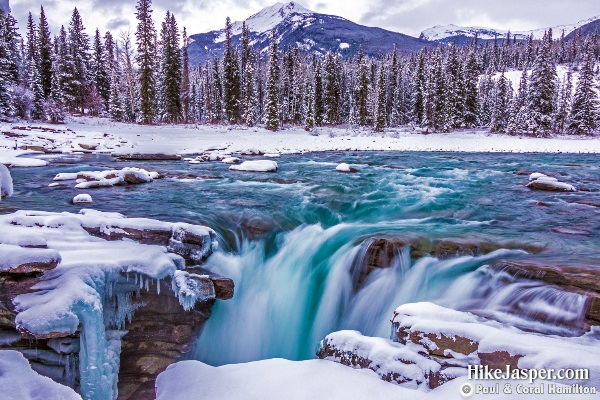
151 309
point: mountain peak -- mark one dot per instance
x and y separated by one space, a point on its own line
269 17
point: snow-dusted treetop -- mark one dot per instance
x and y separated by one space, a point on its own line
441 32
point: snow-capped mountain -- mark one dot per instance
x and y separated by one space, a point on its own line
296 26
460 34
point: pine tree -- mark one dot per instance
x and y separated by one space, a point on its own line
502 97
471 76
231 78
309 108
362 89
456 89
380 116
99 70
34 80
44 43
420 92
319 106
584 114
79 46
146 51
272 115
170 71
542 87
564 104
332 93
250 100
185 89
517 121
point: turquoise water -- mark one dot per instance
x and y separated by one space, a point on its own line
289 239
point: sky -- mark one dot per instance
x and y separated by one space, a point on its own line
405 16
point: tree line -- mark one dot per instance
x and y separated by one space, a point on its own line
148 80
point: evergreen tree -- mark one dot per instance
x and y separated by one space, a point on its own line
231 78
250 100
362 89
34 80
185 89
456 89
584 114
319 107
564 103
170 70
502 98
271 118
420 92
542 87
309 108
332 93
380 116
517 121
471 79
79 46
44 43
146 52
99 70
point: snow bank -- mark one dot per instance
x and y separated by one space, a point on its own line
274 379
82 198
19 382
256 166
6 182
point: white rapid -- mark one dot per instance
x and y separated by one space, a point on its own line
297 288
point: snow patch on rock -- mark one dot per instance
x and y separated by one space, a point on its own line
256 166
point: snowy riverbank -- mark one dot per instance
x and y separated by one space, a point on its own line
100 135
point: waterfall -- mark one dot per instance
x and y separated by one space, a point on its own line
294 289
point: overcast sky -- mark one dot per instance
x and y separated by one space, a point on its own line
406 16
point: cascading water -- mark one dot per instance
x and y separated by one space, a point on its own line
290 296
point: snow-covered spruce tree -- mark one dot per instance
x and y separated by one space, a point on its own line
9 62
146 52
217 93
170 71
185 88
584 114
332 93
271 118
231 78
79 47
542 88
380 116
362 89
319 106
502 97
564 103
99 70
440 119
518 113
456 89
34 81
486 99
249 91
45 54
309 107
420 89
471 80
392 82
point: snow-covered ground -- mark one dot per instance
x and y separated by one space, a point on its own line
101 135
193 140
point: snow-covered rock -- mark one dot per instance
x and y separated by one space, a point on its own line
6 182
252 152
393 362
19 382
343 167
256 166
231 160
109 178
539 181
82 199
462 338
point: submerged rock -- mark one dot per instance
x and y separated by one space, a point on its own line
539 181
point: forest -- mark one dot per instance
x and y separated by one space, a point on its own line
146 78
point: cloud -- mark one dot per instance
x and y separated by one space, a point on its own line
406 16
